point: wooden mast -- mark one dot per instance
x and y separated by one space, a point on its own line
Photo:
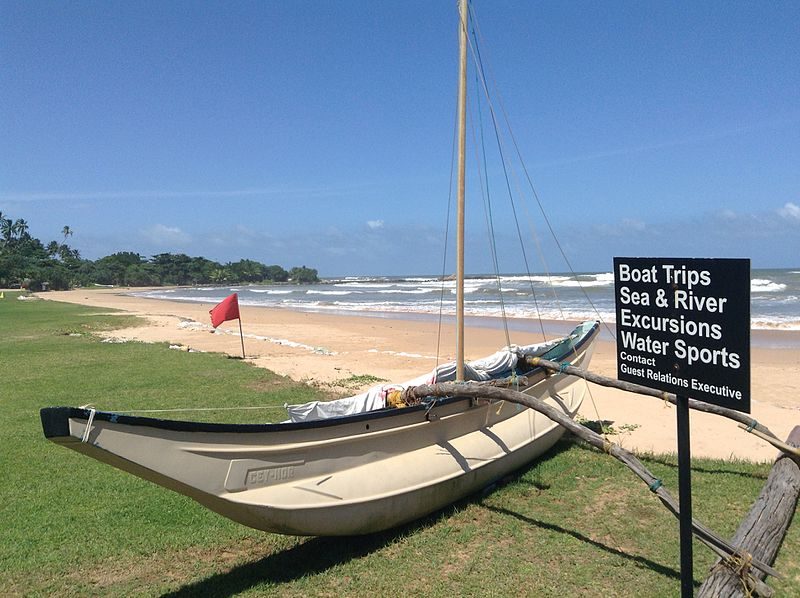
462 144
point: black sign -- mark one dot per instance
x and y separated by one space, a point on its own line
683 326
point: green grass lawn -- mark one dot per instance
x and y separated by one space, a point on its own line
575 523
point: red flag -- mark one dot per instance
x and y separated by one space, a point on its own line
227 309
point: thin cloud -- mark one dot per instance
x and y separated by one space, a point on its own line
166 236
626 226
375 224
278 191
84 196
732 131
790 211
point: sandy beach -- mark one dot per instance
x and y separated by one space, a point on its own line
321 348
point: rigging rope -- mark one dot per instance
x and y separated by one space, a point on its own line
529 180
481 71
487 202
504 164
446 241
479 66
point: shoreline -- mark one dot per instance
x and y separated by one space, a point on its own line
324 347
771 335
524 299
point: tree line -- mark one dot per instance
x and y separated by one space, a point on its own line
26 262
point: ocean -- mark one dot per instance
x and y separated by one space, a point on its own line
775 297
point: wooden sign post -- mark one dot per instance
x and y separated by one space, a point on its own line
683 326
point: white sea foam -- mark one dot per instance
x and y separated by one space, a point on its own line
601 279
364 285
772 299
584 283
545 278
432 284
788 323
763 285
775 296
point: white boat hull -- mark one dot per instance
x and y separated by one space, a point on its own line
346 476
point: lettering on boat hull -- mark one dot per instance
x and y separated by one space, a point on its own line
245 474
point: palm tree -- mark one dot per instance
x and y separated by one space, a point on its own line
5 229
19 229
67 254
218 275
67 232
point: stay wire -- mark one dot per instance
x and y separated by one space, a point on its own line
479 67
549 226
446 240
482 71
504 163
489 215
536 195
525 170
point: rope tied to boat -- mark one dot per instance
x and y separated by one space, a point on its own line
88 429
665 395
537 361
431 405
395 398
564 366
514 379
741 564
752 426
656 485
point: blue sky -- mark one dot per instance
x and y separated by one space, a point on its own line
320 133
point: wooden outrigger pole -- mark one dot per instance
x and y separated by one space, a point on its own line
745 422
746 559
719 545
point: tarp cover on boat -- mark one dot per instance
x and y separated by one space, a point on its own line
498 365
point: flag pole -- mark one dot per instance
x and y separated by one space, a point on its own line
241 336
